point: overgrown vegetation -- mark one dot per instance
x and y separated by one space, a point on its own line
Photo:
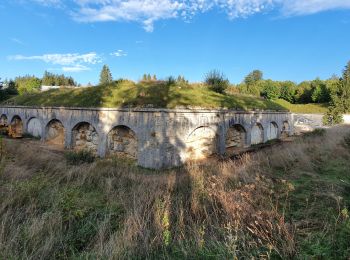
288 201
306 97
340 99
79 157
124 93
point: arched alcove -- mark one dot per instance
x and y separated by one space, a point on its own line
272 131
257 134
122 141
85 137
55 133
201 143
3 124
34 127
16 127
235 137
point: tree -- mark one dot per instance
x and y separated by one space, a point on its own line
320 92
105 76
216 81
253 77
288 89
270 89
27 84
340 99
154 77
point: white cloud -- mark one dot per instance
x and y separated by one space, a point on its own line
76 68
147 12
18 41
119 53
302 7
70 61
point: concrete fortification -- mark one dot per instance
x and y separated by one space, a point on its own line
156 138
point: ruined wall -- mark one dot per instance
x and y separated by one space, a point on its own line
156 138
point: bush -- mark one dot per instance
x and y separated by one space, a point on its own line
80 157
216 81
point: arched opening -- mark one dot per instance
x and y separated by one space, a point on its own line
55 133
201 143
3 125
16 127
257 136
272 132
122 141
34 127
235 137
285 129
85 137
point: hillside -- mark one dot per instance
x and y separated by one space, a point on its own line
290 201
156 94
312 108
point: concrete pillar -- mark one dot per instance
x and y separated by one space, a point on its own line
222 139
68 139
102 145
266 127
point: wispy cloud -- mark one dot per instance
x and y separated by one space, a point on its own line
18 41
72 62
147 12
119 53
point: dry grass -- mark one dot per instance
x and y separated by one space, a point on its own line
113 209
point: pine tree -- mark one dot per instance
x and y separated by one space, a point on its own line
340 99
105 76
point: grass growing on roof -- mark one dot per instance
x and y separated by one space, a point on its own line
304 108
158 94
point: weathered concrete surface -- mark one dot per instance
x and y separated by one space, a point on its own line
157 138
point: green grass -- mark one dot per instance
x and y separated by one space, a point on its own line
144 94
304 108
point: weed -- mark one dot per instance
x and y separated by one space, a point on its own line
79 157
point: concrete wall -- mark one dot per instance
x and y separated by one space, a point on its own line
157 138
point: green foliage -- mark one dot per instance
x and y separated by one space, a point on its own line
340 98
105 75
130 94
253 89
253 77
27 84
216 81
50 79
270 89
79 157
320 91
288 89
9 91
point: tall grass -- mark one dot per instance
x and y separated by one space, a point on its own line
262 205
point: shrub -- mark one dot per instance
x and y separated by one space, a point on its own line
79 157
216 81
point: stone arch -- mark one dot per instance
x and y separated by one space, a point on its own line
85 137
3 124
55 133
257 134
201 143
16 127
285 129
34 127
272 131
235 137
122 140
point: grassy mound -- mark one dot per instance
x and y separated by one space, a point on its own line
304 108
290 201
157 94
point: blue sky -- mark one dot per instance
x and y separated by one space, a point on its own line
286 39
